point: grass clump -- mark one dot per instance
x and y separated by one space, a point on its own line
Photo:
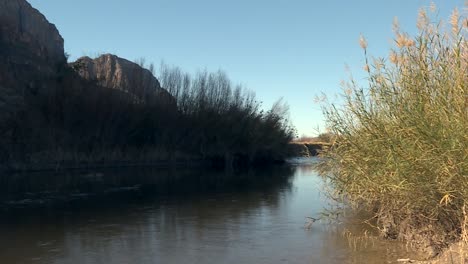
401 146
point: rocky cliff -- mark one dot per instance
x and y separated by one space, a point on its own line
31 50
111 71
27 39
32 56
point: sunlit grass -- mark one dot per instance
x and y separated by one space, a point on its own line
401 148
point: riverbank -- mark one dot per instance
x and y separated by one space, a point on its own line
56 163
69 166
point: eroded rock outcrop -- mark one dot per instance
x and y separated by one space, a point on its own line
111 71
31 51
28 39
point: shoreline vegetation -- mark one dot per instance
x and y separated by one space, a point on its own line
401 145
53 117
77 123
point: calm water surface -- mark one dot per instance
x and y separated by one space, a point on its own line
177 216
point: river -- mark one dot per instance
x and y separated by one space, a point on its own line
178 216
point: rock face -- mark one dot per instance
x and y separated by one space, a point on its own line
32 54
31 50
26 37
117 73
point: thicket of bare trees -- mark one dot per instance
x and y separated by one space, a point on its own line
226 121
70 120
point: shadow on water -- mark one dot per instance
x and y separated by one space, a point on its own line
46 218
36 190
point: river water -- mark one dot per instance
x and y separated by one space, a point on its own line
178 216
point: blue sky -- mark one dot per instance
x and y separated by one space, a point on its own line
295 49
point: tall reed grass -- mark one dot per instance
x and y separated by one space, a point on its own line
401 149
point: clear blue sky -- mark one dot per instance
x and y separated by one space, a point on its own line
295 49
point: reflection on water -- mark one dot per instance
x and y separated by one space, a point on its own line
174 216
29 190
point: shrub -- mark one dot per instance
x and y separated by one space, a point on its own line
402 143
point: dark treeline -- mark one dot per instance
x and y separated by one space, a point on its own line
225 121
67 120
